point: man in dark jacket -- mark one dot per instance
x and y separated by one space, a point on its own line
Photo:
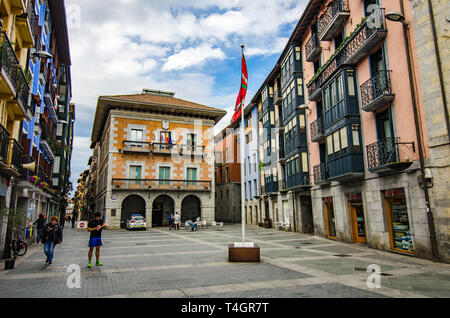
51 235
40 224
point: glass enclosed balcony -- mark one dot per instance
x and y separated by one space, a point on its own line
345 167
271 187
376 92
332 19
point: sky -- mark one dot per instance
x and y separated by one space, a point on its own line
190 47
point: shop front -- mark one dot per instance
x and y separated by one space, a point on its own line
357 218
330 218
398 220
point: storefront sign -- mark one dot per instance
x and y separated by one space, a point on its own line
394 193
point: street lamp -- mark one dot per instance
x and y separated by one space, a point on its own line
42 55
396 16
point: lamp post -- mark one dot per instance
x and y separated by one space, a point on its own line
396 16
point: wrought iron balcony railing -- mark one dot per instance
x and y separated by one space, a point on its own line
9 62
359 44
161 184
165 148
317 130
16 158
23 91
376 92
312 48
4 145
385 154
321 174
271 187
333 18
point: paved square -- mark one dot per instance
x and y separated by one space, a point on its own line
162 263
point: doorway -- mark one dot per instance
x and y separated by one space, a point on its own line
190 208
357 221
330 218
162 207
133 204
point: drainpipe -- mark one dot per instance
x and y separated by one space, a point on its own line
431 227
439 65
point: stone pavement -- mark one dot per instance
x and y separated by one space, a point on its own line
162 263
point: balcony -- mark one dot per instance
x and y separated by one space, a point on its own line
317 130
282 185
182 150
8 66
358 45
333 18
321 174
14 166
23 92
27 24
161 184
277 97
312 48
385 155
376 92
363 40
346 167
4 145
136 147
271 187
298 181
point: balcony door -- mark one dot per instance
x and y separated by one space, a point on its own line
191 176
164 175
386 141
135 175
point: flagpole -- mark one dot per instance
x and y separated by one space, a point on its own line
242 163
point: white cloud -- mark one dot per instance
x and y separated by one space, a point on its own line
192 56
122 47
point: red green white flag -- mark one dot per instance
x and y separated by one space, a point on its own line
242 92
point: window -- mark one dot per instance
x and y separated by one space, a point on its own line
136 134
326 101
305 162
56 164
272 118
59 130
297 53
337 145
300 86
191 175
355 137
254 162
248 138
227 174
135 173
166 138
191 139
164 175
344 141
351 83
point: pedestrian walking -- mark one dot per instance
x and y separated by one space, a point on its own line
52 235
40 224
170 221
95 227
177 221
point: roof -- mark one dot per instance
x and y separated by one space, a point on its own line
150 101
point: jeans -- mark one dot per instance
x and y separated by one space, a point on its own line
38 235
49 250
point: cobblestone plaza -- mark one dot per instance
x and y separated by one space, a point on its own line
172 264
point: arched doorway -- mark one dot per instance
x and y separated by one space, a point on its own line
190 208
133 204
162 207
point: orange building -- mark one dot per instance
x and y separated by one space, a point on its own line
155 157
228 176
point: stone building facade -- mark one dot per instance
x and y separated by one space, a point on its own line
431 26
155 157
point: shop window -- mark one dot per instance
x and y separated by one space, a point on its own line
397 215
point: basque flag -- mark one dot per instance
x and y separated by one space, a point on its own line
242 92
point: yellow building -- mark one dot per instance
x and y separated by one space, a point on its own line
18 23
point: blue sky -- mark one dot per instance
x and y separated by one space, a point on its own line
191 47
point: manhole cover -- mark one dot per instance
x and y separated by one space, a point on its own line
298 247
342 255
386 274
305 243
141 243
362 269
